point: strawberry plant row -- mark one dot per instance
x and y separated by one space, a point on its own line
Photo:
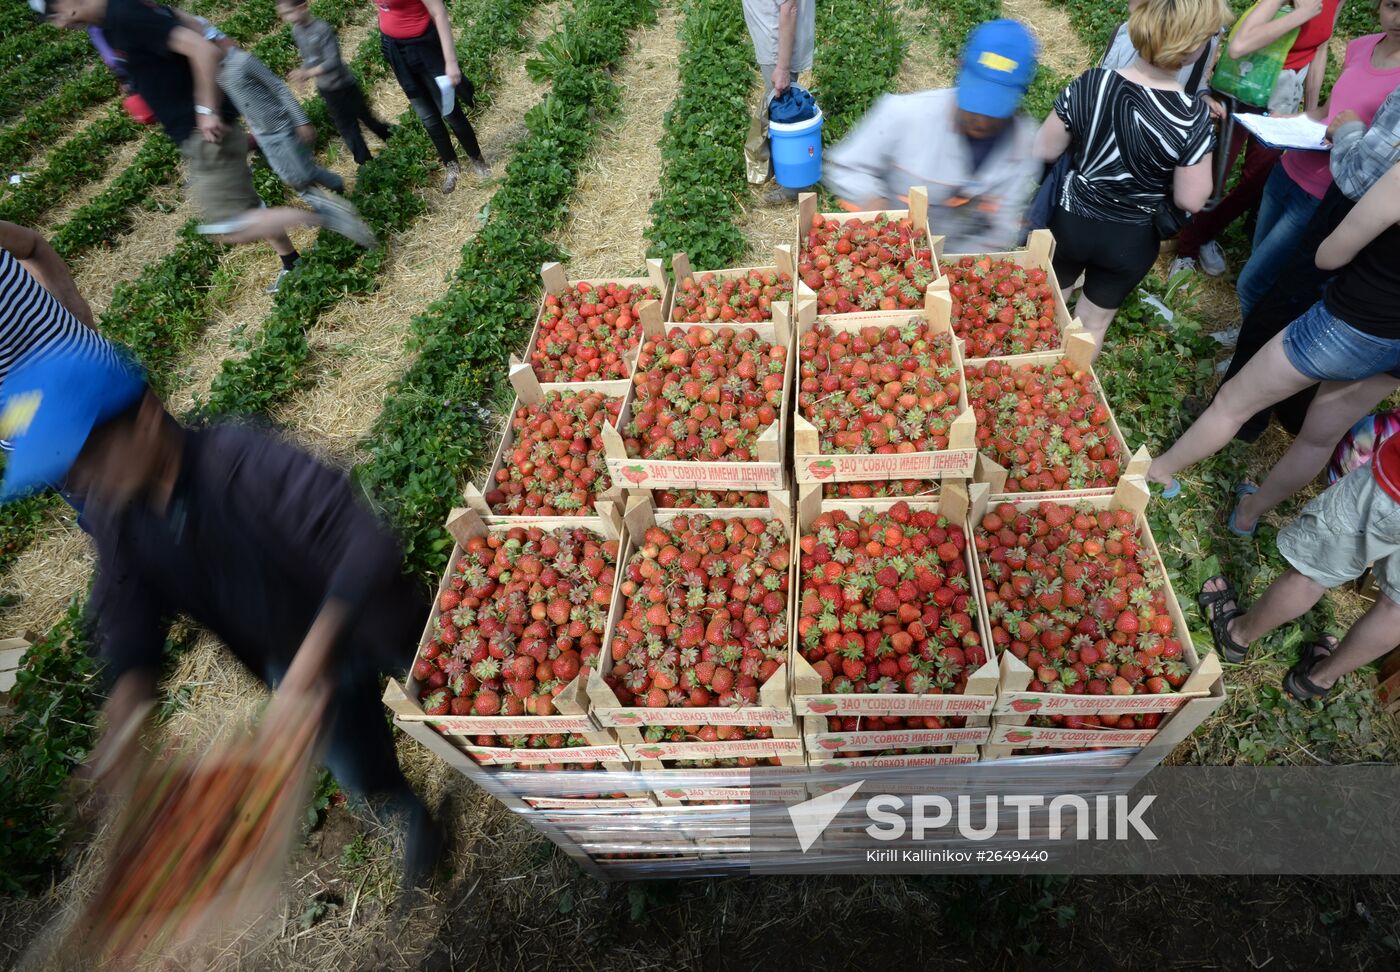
431 425
702 177
80 160
50 57
19 141
334 266
860 47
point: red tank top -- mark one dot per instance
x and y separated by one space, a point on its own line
1312 35
403 18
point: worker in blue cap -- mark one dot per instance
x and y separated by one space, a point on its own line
971 146
247 535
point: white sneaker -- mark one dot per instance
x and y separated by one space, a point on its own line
338 216
1227 338
1212 259
1180 264
480 169
276 284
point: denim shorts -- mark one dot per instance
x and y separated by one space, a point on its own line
1326 348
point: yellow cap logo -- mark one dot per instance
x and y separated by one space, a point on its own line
997 62
19 413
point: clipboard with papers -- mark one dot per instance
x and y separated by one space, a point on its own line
1296 132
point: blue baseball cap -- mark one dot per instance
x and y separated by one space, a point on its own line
49 405
998 66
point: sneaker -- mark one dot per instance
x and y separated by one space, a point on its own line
781 196
1212 259
1179 264
1227 338
276 284
339 216
450 172
480 169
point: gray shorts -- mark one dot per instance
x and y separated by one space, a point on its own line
220 182
1353 525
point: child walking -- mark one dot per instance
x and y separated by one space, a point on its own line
321 61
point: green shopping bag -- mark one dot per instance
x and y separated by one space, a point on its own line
1251 79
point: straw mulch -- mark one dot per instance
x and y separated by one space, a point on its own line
1062 50
46 575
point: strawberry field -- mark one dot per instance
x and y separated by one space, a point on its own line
445 371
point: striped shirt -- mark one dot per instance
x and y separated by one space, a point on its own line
264 100
33 321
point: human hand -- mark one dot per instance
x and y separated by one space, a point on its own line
1217 110
782 80
212 127
307 134
1308 8
1343 118
454 74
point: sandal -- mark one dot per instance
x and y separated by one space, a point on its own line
1296 682
1211 605
1172 490
1241 491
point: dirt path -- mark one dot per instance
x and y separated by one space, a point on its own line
1062 50
358 347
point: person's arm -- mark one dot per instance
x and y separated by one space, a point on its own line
438 12
1193 184
1259 28
1053 139
204 57
1312 83
787 36
1361 155
45 266
1376 212
855 169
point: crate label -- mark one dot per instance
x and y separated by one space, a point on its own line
733 794
511 725
564 803
1058 496
877 704
746 716
917 759
567 754
952 464
1035 703
1043 736
848 741
731 747
661 473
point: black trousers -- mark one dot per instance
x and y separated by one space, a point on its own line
1299 286
348 109
417 62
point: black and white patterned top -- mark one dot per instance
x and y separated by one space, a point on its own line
1128 141
31 319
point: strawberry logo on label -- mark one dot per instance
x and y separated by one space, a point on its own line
822 706
822 468
628 718
674 794
634 474
650 752
1020 736
1024 705
833 744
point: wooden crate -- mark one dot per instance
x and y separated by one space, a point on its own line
556 281
774 706
1038 254
917 213
602 747
785 745
960 756
629 802
529 391
681 270
823 743
1079 351
958 461
765 472
808 696
571 704
723 784
12 652
1202 693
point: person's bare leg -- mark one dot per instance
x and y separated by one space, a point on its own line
1095 320
1336 409
1290 596
270 225
1372 636
1268 378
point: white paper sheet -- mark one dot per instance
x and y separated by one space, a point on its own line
1294 132
446 93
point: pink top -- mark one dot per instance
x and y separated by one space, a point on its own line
1362 87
